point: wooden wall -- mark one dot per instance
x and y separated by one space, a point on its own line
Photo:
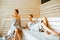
50 9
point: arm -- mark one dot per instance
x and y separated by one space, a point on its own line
19 19
27 25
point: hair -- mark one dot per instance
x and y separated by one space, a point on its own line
41 21
17 11
31 15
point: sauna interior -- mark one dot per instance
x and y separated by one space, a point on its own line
39 9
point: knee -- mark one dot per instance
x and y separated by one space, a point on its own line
16 30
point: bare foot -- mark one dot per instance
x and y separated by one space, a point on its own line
58 34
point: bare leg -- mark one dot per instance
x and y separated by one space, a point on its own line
18 33
48 29
15 35
46 23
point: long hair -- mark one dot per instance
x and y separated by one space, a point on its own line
17 11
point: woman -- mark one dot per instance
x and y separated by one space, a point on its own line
30 21
17 25
32 24
16 29
47 27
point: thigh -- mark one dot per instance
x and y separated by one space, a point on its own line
20 32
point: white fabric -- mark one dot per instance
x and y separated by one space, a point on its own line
34 26
31 35
12 29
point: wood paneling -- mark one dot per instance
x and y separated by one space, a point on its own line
51 9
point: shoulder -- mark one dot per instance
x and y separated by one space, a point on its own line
19 16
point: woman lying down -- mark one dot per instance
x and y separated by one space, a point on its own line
48 28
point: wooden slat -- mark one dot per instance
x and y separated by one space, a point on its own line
50 9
